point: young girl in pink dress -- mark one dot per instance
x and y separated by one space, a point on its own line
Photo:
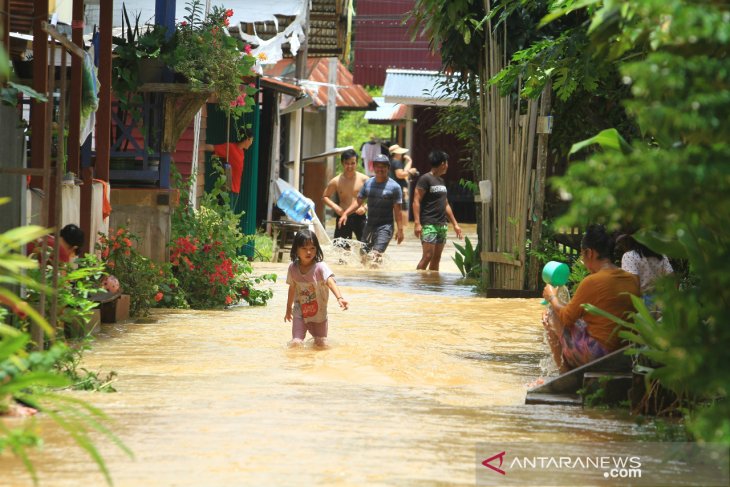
310 281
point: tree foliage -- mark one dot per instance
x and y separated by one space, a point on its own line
673 183
588 89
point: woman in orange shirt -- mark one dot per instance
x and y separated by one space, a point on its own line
575 336
233 154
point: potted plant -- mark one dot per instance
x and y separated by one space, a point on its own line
139 57
210 58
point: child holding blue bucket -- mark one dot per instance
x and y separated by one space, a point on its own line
310 281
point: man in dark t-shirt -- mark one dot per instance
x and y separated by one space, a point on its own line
432 212
384 199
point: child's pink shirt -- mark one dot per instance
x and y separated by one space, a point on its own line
312 293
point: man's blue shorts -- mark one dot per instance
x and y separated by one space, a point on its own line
377 238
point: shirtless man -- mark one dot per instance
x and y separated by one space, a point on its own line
347 185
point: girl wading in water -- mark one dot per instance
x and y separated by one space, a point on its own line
310 281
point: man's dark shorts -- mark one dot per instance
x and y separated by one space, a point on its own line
355 224
377 238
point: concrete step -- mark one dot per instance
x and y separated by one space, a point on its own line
553 399
568 383
612 375
601 387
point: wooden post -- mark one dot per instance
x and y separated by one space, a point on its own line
5 22
74 114
298 116
331 126
38 115
296 142
301 59
39 142
104 113
539 200
275 156
48 212
58 182
165 14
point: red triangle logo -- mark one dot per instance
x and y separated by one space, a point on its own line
487 463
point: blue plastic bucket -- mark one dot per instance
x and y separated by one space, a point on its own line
556 273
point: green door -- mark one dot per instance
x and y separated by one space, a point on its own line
221 130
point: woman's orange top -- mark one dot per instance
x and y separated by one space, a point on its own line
236 157
609 290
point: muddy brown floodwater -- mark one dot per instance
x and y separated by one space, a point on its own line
419 371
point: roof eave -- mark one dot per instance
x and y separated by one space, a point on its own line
438 102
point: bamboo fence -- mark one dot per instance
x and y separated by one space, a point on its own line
508 134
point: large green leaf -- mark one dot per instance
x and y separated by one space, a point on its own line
33 379
570 6
608 139
29 310
17 237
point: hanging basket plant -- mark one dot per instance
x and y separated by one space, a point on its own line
139 57
210 58
201 52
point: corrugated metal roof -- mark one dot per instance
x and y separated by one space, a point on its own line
382 41
386 113
349 95
412 87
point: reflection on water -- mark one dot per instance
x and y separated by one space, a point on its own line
417 283
418 372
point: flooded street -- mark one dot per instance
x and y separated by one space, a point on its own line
419 371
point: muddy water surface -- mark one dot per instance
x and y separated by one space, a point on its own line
420 370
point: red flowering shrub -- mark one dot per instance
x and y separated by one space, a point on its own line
204 254
149 284
206 273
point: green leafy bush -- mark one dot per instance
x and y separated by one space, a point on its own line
468 259
75 308
31 377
